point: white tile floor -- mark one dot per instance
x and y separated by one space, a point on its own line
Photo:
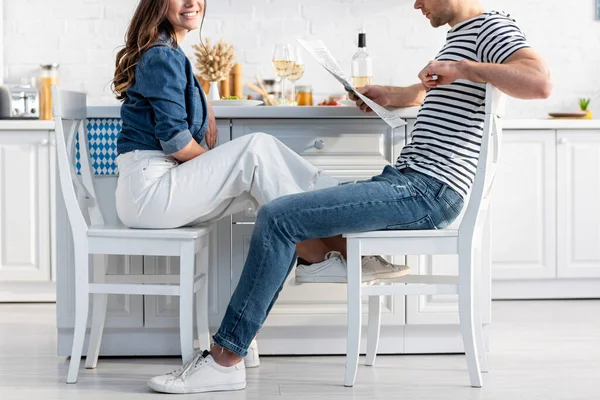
541 351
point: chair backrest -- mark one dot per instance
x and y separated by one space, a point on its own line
478 202
70 111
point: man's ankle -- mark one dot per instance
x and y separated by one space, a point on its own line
224 357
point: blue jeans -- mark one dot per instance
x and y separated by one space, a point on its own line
393 200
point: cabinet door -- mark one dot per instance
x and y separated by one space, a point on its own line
308 304
523 207
578 204
25 206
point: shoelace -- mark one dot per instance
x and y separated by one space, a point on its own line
186 368
383 261
335 254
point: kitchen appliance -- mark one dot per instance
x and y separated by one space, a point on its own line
19 102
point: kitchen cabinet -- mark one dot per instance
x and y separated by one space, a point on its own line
545 217
578 201
523 210
25 180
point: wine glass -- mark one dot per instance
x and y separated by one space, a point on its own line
283 63
297 71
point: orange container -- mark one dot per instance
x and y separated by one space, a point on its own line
48 77
304 95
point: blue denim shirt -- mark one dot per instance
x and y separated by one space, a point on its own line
165 108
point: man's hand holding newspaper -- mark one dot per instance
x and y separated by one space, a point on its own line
322 54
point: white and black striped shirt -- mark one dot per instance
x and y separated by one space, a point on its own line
447 137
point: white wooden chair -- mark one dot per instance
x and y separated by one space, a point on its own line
91 236
461 241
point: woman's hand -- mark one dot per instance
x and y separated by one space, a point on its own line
212 131
445 71
378 94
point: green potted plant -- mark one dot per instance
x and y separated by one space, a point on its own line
584 104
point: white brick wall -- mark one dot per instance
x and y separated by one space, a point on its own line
83 35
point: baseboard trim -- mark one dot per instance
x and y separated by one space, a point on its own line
27 292
546 289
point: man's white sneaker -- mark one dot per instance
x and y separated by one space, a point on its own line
201 374
333 270
252 359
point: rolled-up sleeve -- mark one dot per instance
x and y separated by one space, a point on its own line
161 80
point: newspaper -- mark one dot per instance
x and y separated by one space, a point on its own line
321 53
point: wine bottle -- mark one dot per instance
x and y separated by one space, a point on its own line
362 63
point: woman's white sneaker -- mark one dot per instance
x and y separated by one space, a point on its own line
252 359
201 374
333 270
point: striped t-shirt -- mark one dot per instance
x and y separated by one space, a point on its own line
447 137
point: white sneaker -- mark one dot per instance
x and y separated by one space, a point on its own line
333 270
252 359
201 374
377 267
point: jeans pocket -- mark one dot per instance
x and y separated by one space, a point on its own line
421 224
156 169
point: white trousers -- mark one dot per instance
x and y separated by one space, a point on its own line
155 191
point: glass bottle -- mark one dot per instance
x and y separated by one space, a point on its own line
48 77
362 63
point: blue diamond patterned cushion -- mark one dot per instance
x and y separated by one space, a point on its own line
102 139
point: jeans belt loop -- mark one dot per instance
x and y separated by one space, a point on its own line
441 192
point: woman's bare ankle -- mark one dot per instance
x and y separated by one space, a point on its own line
224 357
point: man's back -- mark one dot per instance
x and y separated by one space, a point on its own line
447 136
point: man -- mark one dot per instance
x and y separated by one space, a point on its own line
425 189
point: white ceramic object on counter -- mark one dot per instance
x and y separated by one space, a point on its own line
236 103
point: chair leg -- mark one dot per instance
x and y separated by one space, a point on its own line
466 314
374 328
186 300
81 309
202 301
480 341
354 311
99 302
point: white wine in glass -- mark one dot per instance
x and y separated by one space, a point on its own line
283 64
297 71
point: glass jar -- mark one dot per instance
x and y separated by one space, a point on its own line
304 95
48 77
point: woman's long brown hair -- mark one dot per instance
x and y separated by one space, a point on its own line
148 22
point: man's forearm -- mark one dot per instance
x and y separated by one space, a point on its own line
523 80
406 96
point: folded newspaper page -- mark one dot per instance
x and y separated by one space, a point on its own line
321 53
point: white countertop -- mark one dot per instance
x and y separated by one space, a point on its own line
551 124
263 112
26 125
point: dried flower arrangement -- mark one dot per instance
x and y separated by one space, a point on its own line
214 62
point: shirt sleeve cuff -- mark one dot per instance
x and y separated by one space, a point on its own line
177 142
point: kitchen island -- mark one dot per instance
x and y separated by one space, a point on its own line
311 318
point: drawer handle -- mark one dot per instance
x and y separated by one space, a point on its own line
563 141
319 144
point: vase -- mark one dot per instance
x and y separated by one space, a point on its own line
213 91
